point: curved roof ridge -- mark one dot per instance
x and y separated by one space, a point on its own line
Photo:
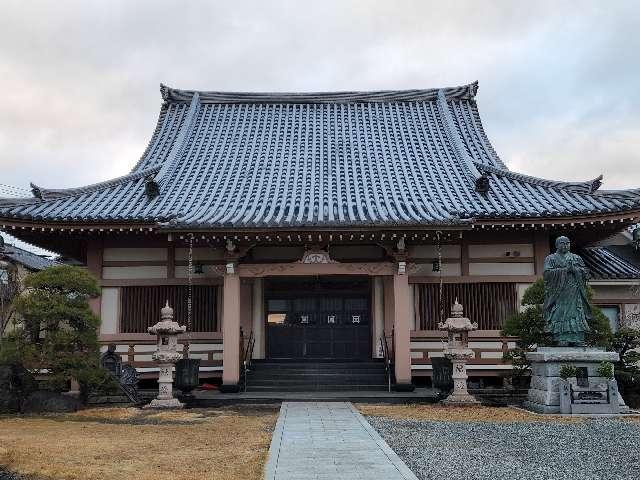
633 193
55 194
454 139
17 201
587 187
175 95
169 164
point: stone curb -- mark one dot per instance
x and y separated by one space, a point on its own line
386 449
274 448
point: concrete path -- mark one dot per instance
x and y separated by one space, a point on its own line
329 441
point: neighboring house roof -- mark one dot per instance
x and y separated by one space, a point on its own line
13 241
627 252
417 157
611 262
27 259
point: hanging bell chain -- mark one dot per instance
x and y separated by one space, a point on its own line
189 298
441 289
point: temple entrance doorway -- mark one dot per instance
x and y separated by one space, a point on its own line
316 318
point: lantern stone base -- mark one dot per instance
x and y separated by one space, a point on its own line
460 395
169 403
458 399
546 362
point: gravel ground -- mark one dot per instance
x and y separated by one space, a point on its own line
588 450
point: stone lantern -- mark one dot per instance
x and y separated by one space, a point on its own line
165 356
457 350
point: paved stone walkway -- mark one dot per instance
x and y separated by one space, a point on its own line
329 441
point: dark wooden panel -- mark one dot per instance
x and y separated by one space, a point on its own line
140 307
489 304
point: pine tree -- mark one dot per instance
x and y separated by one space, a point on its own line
55 328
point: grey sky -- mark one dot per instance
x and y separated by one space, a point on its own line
559 81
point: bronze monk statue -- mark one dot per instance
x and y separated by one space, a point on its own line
566 307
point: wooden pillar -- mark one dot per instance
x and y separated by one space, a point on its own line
464 257
171 261
231 333
401 332
540 249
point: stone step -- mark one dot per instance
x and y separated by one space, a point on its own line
318 381
316 365
319 388
301 373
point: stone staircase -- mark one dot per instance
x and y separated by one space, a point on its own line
288 376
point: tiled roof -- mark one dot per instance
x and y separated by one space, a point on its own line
29 260
388 158
35 250
605 264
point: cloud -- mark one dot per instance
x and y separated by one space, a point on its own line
558 84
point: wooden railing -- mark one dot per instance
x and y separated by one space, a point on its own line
488 347
136 348
388 359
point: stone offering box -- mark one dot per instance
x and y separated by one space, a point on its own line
591 394
591 398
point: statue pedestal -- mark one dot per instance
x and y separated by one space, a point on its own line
544 393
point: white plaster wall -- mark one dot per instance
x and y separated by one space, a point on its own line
482 268
182 254
425 345
144 348
134 254
521 288
122 273
485 344
448 270
491 355
431 251
208 271
500 250
109 310
378 315
258 319
614 292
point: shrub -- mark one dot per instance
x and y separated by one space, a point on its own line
605 369
568 371
56 329
627 372
625 341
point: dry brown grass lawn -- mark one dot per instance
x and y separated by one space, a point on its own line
458 414
101 444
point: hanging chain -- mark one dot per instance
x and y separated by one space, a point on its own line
441 288
189 298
